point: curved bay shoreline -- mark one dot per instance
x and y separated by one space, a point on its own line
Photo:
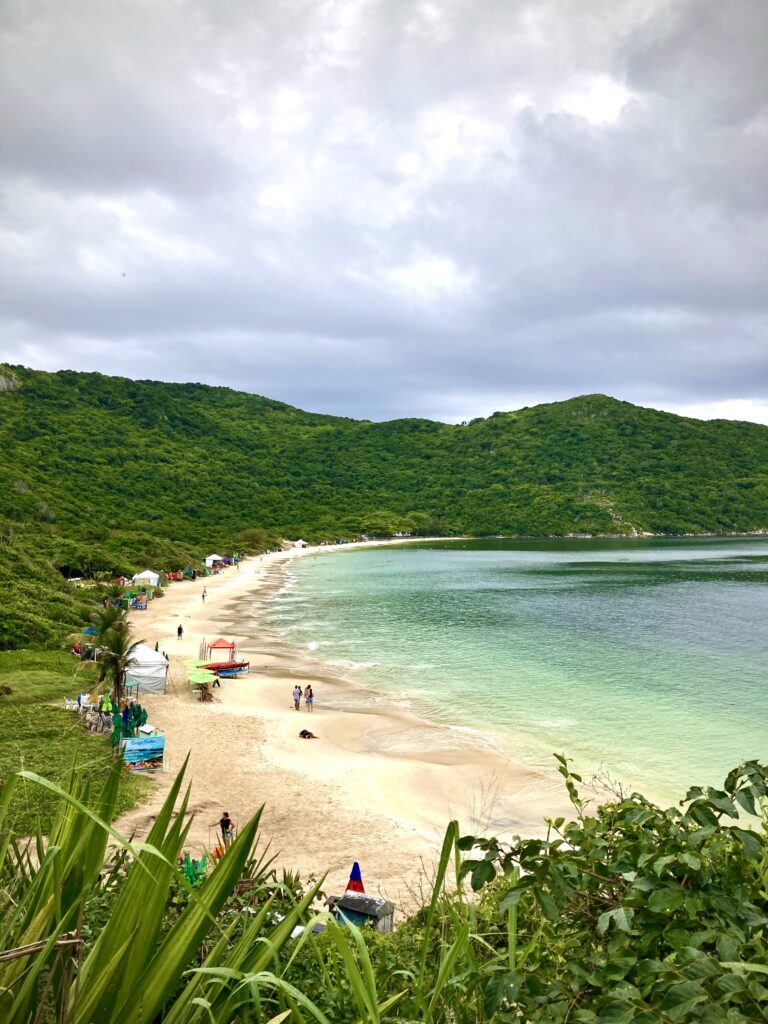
379 785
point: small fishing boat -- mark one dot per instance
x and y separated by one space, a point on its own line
227 668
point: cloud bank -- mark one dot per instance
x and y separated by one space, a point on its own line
381 208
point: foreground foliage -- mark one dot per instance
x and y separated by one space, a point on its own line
102 474
630 914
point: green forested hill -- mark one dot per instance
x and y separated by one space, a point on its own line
106 473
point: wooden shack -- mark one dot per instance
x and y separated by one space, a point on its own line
360 909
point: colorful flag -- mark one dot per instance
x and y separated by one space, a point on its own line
355 883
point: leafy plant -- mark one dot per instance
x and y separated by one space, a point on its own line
636 913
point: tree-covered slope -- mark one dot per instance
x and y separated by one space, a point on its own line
84 453
101 472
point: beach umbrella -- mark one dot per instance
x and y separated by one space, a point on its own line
355 883
201 675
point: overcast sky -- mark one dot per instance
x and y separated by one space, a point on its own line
381 208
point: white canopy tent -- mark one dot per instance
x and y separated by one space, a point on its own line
147 669
212 559
149 578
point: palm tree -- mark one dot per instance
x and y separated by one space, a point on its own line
117 647
103 618
114 591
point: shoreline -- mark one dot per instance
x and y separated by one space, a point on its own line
379 785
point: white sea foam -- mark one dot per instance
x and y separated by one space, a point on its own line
354 666
303 625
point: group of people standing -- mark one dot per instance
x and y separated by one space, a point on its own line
308 695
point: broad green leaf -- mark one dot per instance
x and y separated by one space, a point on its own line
664 901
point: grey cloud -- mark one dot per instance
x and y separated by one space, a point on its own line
389 208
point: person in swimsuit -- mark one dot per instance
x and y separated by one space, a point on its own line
309 699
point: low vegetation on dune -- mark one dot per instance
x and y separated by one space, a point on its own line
627 914
37 733
106 475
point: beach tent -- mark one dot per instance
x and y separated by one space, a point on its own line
211 560
148 577
147 669
300 544
222 649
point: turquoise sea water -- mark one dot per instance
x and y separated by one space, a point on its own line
646 658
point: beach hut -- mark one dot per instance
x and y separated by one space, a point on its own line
359 909
211 561
148 578
147 669
221 650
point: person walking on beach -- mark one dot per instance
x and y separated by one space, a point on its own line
205 594
309 699
180 631
225 824
297 697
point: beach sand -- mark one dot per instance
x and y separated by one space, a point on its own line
379 785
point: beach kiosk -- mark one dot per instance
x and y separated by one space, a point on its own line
148 578
147 670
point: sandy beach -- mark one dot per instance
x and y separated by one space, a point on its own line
379 784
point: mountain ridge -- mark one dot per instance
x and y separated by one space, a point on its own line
110 474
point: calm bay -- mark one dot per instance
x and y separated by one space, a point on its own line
643 659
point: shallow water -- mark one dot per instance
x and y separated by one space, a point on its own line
642 658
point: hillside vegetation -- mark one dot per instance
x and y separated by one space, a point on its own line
105 474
